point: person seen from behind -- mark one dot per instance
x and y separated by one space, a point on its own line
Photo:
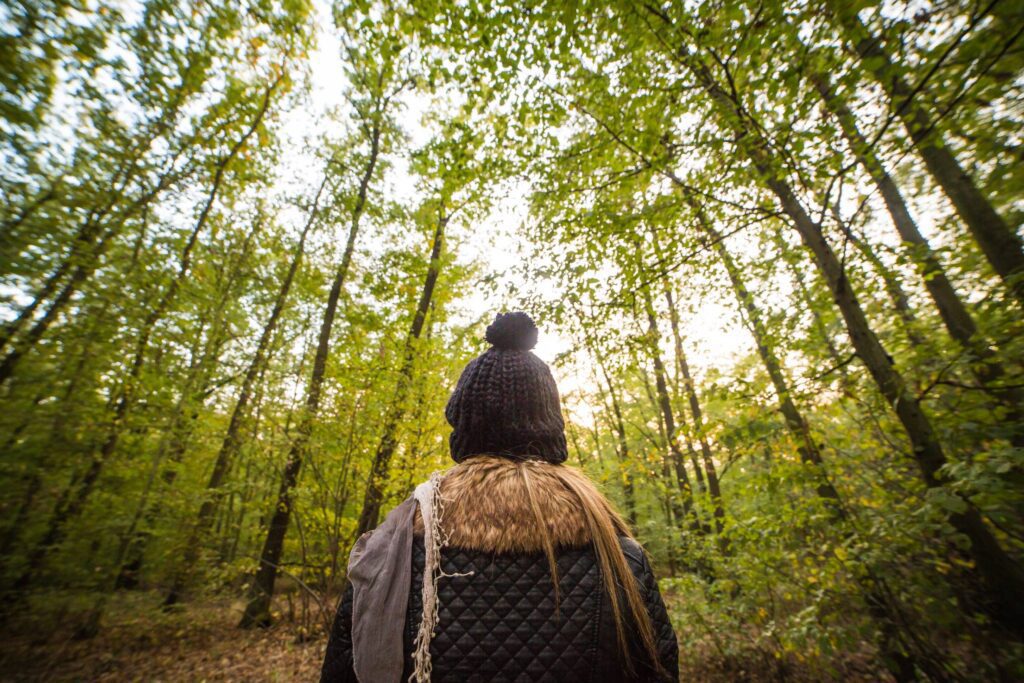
509 566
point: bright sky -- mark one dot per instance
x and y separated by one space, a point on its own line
714 339
498 240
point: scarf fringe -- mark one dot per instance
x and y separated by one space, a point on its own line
434 539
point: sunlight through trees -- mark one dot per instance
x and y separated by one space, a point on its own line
776 247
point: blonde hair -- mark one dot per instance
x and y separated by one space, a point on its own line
605 526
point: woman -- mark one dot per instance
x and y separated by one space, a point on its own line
509 566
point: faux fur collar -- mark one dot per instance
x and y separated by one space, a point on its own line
486 507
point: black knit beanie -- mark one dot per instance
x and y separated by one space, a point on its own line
506 402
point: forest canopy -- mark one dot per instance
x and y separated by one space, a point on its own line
774 250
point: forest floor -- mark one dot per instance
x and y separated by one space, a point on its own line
138 642
201 642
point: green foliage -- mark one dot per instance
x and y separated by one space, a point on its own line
714 371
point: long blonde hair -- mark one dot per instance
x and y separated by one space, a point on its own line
605 526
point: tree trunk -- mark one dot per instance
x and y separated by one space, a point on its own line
56 530
261 590
705 448
952 310
1000 244
132 549
664 404
618 423
893 287
622 450
691 394
197 385
9 228
1001 575
838 362
232 441
88 247
680 358
795 422
132 545
999 571
58 440
24 344
882 609
84 246
382 458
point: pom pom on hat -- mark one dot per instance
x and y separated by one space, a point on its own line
512 331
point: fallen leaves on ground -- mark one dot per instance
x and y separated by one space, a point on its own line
138 642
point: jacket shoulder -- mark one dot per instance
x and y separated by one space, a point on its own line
634 552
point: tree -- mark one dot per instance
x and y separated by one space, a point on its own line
376 87
1001 245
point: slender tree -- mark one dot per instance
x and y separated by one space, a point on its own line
664 404
76 500
954 313
373 111
1000 244
999 571
232 441
379 468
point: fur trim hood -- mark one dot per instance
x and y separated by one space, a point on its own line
486 506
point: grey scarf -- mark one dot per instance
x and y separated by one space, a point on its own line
380 570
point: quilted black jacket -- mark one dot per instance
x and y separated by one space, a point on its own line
499 623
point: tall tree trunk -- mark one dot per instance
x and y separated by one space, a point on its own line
952 310
890 281
133 541
622 444
795 422
1000 243
58 440
23 344
261 590
1001 575
664 404
804 293
999 571
9 228
81 264
132 548
379 469
232 441
884 611
680 358
196 386
691 395
89 244
613 407
124 174
705 448
671 505
76 501
84 245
